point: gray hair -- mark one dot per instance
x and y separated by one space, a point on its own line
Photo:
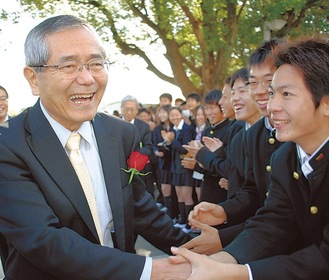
129 98
36 49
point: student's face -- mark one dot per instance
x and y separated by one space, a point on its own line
243 103
261 75
69 101
213 113
225 103
163 115
293 112
200 117
191 103
144 116
3 105
129 110
175 117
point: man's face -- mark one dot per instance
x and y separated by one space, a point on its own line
164 101
225 102
69 101
243 103
293 112
191 104
213 113
3 105
129 110
260 77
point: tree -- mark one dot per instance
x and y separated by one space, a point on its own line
203 40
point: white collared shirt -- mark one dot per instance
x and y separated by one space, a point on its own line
89 151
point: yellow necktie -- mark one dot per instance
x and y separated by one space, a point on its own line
81 170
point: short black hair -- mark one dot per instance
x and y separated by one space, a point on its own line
166 95
194 96
311 57
242 73
6 92
212 97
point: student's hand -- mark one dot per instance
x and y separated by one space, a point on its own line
193 148
207 243
212 144
208 213
223 183
203 267
188 163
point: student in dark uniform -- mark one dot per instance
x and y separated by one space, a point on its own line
180 134
164 154
288 237
219 128
260 143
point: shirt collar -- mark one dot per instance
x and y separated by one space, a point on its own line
63 133
305 158
180 125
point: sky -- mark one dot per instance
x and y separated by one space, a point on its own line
128 75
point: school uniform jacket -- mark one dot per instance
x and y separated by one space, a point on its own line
288 237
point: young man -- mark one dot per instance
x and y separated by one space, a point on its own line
288 237
66 207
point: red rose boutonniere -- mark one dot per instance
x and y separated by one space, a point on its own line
136 163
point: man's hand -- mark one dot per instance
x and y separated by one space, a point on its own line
208 242
164 269
212 144
189 163
204 267
208 213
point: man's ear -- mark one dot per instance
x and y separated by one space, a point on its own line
31 77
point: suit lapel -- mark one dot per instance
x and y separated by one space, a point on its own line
49 151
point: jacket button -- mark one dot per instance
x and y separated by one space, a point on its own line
296 175
268 168
314 210
211 132
271 141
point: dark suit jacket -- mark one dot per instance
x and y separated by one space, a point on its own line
46 218
288 237
146 146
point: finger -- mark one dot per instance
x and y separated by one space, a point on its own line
185 253
198 224
191 244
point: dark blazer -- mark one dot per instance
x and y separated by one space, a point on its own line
146 146
288 237
210 190
251 196
47 222
165 161
182 137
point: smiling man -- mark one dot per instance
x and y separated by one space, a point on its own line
69 210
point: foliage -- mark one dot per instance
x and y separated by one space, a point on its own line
203 40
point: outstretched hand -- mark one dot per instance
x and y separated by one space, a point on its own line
208 242
203 267
208 213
